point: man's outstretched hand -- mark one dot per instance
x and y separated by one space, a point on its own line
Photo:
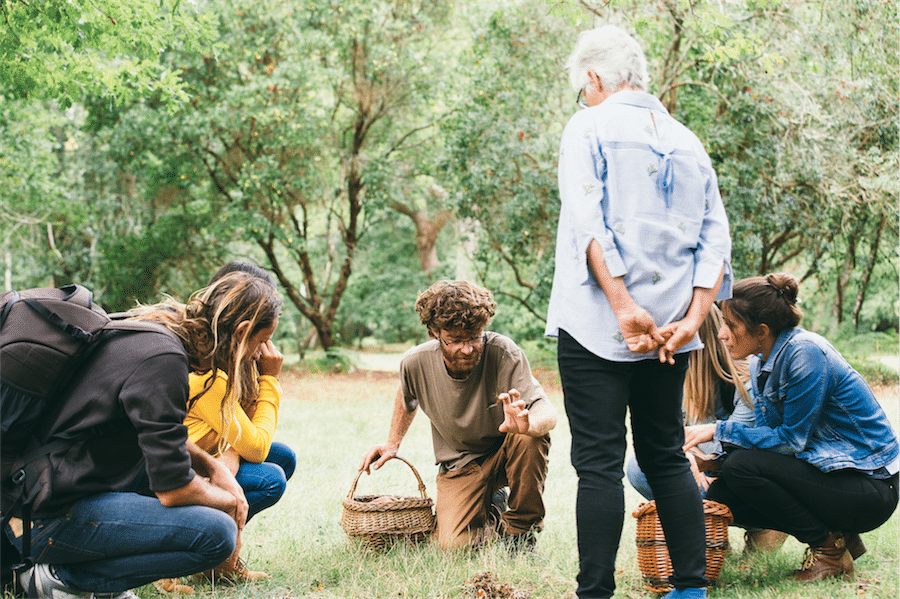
515 414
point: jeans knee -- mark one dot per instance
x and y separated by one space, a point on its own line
278 486
283 456
276 482
218 537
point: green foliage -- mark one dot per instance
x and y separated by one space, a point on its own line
286 124
502 149
802 150
334 360
30 150
380 301
331 141
73 216
873 355
63 50
139 266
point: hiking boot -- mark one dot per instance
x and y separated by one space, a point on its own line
831 558
232 574
498 506
171 585
763 540
41 582
855 545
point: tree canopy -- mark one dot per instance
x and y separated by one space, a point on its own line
107 48
360 150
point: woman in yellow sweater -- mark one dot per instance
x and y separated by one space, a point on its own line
236 422
244 440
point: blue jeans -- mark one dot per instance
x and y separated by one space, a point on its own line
264 483
112 542
598 395
638 479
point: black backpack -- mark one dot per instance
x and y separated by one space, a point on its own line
45 335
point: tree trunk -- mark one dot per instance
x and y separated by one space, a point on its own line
427 231
864 284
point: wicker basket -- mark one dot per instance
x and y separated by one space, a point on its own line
378 524
653 555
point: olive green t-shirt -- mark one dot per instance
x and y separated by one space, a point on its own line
464 414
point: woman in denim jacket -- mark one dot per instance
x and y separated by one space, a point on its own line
821 463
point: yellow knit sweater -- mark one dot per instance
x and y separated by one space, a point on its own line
250 437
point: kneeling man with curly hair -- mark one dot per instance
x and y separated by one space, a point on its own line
489 416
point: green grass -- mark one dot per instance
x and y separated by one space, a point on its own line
301 544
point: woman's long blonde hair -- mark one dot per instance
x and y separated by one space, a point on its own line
207 326
707 367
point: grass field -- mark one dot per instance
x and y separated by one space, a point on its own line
330 420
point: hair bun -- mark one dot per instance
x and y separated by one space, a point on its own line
785 285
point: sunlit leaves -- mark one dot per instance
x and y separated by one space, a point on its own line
110 48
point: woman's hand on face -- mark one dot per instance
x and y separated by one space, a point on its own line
269 360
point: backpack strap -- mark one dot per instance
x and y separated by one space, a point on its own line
54 319
23 504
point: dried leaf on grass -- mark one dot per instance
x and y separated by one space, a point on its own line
484 585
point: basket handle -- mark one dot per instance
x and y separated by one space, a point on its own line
396 457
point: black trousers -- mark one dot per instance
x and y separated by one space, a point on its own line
598 395
765 489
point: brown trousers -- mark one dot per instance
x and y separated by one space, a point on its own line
464 495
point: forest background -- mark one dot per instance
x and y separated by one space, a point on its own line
360 150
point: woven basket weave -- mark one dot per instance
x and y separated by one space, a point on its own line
377 525
653 555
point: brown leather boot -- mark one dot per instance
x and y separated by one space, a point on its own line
831 558
232 572
171 585
855 545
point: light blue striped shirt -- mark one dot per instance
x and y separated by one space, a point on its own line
641 184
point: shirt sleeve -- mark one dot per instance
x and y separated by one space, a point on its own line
802 395
253 439
581 188
516 372
714 246
154 398
408 393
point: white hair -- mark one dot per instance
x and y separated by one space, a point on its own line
614 56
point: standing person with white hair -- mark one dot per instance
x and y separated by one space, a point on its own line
642 252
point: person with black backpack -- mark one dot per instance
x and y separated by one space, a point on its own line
132 500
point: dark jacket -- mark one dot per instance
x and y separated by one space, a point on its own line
132 393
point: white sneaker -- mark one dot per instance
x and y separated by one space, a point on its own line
40 582
122 595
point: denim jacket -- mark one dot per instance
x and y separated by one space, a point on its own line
814 405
